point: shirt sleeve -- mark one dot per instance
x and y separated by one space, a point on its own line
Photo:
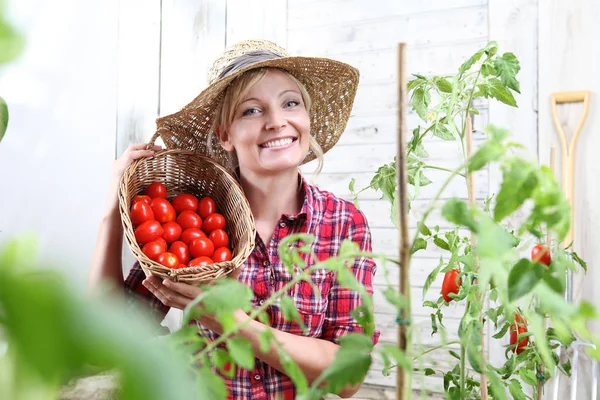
138 297
339 320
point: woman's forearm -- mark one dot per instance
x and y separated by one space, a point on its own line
106 261
312 355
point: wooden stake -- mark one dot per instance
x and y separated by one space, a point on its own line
403 384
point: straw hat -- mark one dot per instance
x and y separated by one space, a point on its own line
331 84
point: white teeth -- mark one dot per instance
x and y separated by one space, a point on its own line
278 143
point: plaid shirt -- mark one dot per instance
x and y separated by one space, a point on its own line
326 316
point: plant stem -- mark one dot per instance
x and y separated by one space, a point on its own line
431 349
441 169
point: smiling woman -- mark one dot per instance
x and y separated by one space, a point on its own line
263 115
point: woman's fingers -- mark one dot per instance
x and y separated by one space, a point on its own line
184 289
166 296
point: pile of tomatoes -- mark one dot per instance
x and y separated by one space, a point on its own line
184 232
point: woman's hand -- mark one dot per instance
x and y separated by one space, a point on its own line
179 295
133 152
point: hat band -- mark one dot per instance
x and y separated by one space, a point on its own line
247 59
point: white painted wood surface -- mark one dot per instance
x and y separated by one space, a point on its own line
567 31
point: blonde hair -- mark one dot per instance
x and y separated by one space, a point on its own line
235 92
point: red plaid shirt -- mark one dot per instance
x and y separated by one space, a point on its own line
327 315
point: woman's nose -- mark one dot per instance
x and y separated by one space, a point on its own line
275 121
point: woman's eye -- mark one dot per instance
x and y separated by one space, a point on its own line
292 103
250 111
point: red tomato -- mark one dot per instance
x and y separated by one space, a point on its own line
515 329
172 231
148 231
221 254
154 249
145 198
141 212
219 238
156 190
190 234
163 210
163 241
212 222
181 266
449 285
200 262
181 251
202 247
189 219
169 260
541 254
185 202
206 206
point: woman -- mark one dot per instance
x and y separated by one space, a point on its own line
263 115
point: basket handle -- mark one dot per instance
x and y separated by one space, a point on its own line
152 140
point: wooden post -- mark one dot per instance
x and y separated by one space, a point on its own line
403 387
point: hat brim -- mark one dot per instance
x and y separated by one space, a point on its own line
331 85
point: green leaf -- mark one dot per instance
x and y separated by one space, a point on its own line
290 312
432 276
488 152
385 180
429 303
442 84
351 363
496 386
429 372
496 89
12 42
420 101
470 62
265 338
209 385
506 68
434 327
3 118
351 185
423 229
419 244
523 278
454 354
519 180
241 351
441 243
578 259
456 211
442 131
528 376
398 355
502 331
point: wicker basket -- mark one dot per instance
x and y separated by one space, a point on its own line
188 172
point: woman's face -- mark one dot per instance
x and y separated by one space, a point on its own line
271 127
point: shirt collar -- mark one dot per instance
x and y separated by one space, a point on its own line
307 209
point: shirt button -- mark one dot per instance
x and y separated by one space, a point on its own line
261 302
265 263
282 224
257 377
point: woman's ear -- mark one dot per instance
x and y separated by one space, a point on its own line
224 139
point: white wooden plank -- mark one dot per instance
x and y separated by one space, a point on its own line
305 16
423 337
444 59
263 19
138 71
446 26
193 35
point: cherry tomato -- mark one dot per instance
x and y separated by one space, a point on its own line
181 266
515 330
156 190
141 212
449 285
148 231
221 254
206 206
212 222
190 234
202 247
169 260
189 219
163 210
163 241
219 238
185 202
145 198
154 249
200 262
181 251
541 254
172 231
